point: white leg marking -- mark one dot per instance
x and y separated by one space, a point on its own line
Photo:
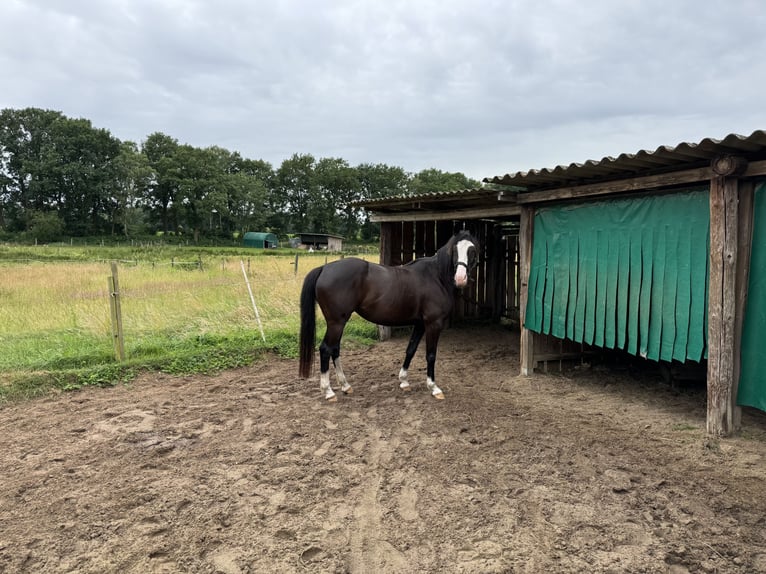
404 384
341 376
435 391
324 384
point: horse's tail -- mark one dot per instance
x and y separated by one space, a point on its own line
308 322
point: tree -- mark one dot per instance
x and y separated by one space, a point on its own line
77 163
23 134
160 198
338 188
54 163
132 177
295 187
434 180
378 181
44 226
249 182
201 184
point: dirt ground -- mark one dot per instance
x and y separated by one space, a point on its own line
250 471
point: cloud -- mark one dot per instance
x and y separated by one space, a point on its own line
481 87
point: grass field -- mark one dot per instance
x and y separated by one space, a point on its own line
183 311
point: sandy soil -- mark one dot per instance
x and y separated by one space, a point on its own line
250 471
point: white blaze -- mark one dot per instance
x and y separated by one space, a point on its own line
461 273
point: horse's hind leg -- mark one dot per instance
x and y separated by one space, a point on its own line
330 349
412 346
344 386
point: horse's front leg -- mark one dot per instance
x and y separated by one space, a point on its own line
417 334
432 341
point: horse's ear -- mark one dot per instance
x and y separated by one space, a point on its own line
470 228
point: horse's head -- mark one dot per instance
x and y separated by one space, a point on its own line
465 256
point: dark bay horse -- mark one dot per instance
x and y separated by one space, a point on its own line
420 293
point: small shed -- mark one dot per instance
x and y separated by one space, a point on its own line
324 241
261 240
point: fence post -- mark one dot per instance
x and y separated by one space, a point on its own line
252 299
296 264
118 339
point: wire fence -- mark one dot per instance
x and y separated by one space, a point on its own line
60 310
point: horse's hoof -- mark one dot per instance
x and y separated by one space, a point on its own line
406 389
439 396
349 391
332 399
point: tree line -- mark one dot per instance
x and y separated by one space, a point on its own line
62 177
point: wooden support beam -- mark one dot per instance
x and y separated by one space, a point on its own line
527 347
386 235
502 210
617 186
724 311
744 247
643 183
408 242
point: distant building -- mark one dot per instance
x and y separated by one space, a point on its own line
260 240
317 241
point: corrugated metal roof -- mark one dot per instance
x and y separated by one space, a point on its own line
644 162
431 197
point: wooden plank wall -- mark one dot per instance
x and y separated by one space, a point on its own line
494 294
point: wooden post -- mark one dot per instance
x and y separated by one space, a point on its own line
118 339
745 241
430 238
724 311
386 233
295 271
408 241
527 347
252 300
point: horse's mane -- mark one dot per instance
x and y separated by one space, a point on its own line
443 257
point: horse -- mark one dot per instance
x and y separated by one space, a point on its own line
420 293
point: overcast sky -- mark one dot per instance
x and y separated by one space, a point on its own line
481 87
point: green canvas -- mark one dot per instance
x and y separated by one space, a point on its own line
752 381
624 274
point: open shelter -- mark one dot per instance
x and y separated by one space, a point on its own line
660 254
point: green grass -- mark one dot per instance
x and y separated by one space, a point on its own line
684 427
55 327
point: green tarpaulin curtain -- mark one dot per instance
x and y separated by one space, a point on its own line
752 381
626 274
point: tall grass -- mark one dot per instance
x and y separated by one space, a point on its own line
55 328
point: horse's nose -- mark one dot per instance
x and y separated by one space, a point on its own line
461 277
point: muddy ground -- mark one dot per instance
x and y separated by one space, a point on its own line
250 471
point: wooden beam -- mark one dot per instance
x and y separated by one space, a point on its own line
386 233
527 347
755 169
724 311
502 210
408 242
641 183
745 242
617 186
